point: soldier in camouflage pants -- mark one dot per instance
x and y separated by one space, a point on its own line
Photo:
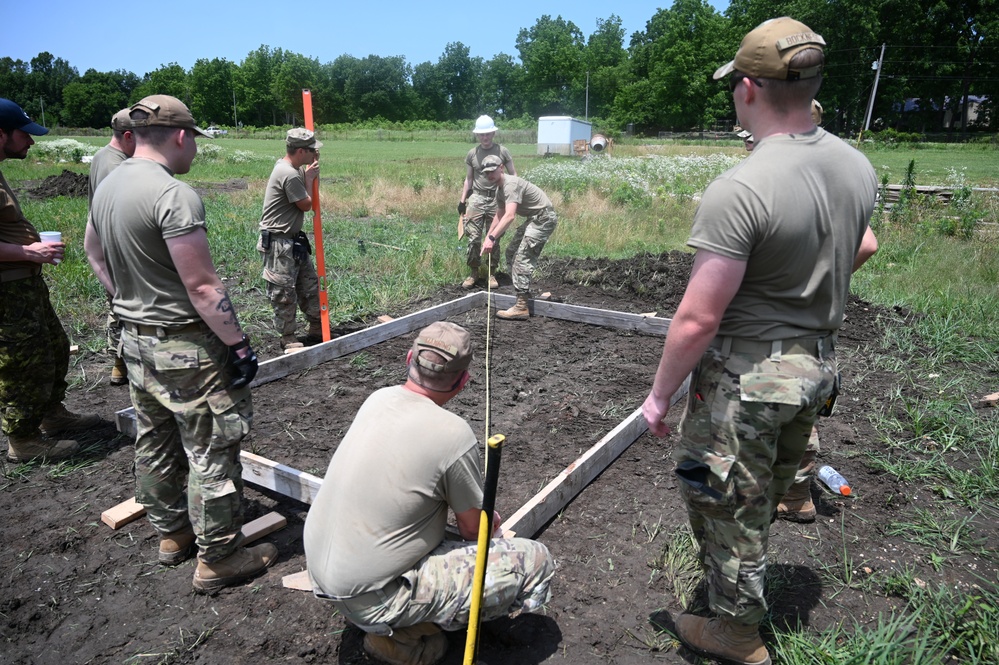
180 395
32 344
744 426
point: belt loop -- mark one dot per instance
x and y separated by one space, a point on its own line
775 349
161 332
726 346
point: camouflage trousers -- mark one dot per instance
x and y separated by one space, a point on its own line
34 356
190 425
806 467
742 436
525 247
439 588
291 285
113 331
481 211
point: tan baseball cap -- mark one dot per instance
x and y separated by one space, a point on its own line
121 121
450 340
767 51
491 163
299 137
166 111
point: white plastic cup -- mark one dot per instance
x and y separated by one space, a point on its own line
51 236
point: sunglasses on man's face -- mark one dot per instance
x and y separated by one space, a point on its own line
736 78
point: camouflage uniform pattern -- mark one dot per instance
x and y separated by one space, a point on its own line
113 331
742 436
34 356
439 588
190 425
525 247
291 285
803 476
481 211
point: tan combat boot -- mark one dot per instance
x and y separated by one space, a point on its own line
241 565
290 342
797 506
518 312
469 282
177 547
61 419
422 644
493 283
724 639
119 373
315 334
39 446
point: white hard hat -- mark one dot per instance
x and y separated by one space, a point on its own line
483 125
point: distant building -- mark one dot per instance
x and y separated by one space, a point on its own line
925 115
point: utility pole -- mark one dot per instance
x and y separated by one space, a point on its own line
587 96
874 91
235 125
41 100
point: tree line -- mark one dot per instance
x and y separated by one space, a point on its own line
937 55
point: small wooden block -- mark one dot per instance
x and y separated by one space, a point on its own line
262 526
649 315
294 350
385 318
297 581
991 400
547 295
74 349
123 513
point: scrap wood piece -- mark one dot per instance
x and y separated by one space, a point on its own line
991 400
125 512
279 477
385 318
74 349
263 526
298 581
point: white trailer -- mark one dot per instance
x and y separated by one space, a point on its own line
558 134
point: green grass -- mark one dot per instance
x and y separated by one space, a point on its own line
389 237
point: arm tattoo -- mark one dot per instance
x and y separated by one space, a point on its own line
225 307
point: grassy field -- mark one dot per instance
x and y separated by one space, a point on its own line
389 221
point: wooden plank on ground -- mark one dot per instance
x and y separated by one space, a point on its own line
125 512
598 317
262 526
555 496
298 581
280 478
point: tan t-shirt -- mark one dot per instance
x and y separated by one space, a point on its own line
384 501
136 209
529 198
795 211
14 227
285 187
104 162
474 159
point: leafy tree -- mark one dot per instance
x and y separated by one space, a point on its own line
502 90
461 78
166 80
376 86
606 65
211 84
552 53
255 101
294 73
14 79
672 62
96 96
429 96
45 83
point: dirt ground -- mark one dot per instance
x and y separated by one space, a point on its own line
75 591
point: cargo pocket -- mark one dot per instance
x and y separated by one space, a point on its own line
771 388
233 413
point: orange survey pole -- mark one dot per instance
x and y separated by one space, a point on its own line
317 224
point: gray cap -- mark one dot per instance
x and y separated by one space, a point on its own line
450 341
491 163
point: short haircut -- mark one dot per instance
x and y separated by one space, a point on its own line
154 135
786 95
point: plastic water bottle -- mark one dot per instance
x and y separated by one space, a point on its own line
834 480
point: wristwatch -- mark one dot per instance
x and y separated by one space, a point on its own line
491 237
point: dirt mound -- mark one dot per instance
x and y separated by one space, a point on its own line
66 183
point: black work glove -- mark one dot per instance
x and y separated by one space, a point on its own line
241 370
462 208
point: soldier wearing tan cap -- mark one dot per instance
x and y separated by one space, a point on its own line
119 148
292 282
777 238
189 363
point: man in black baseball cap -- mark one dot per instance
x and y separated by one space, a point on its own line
34 358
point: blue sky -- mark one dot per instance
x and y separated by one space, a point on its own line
90 35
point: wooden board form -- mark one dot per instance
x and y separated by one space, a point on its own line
543 506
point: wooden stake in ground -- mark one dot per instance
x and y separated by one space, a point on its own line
317 226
